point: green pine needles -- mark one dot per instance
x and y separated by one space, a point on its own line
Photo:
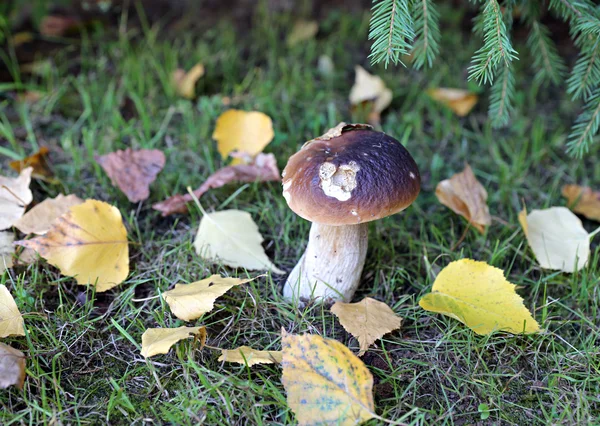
401 27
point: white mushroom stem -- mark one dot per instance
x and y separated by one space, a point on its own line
332 264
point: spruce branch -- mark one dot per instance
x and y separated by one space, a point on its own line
586 72
427 33
501 98
585 127
549 66
391 29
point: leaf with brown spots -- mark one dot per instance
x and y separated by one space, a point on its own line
461 102
583 200
11 320
12 367
40 164
464 195
247 356
133 171
88 242
325 382
15 195
39 219
262 168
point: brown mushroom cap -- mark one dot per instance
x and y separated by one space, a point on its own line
350 175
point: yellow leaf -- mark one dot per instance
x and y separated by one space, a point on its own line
479 296
6 250
11 321
242 131
248 356
232 238
159 340
325 382
583 200
185 82
12 367
370 89
38 220
39 162
88 242
191 301
461 102
465 196
14 197
557 238
366 320
302 31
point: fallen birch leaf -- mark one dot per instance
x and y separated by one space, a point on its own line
133 171
191 301
40 164
88 242
479 296
557 238
232 238
185 82
325 382
12 367
302 31
38 220
464 195
372 90
11 320
242 131
6 250
262 168
461 102
15 195
247 356
583 200
367 320
159 340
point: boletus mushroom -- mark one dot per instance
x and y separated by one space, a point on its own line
340 181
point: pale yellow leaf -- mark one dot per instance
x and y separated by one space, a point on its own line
302 31
465 196
39 219
88 242
367 320
159 340
461 102
191 301
11 321
242 131
6 250
185 82
12 367
370 89
583 200
325 382
479 296
557 238
15 195
248 356
232 238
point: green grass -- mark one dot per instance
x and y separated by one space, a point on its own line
84 364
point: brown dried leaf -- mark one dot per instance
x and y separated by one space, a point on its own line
185 82
583 200
465 196
263 169
38 220
133 171
12 367
461 102
56 25
39 162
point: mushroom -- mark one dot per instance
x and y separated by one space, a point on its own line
340 181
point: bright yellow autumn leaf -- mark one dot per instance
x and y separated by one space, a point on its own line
11 321
460 101
15 195
367 320
39 219
6 250
479 296
325 382
248 356
191 301
159 340
88 242
243 131
185 82
12 367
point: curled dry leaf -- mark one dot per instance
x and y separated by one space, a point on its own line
159 340
12 367
302 31
11 320
15 195
325 382
461 102
133 171
262 168
185 82
247 356
38 220
583 200
465 196
370 90
232 237
40 164
7 249
191 301
88 242
242 131
367 320
557 238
